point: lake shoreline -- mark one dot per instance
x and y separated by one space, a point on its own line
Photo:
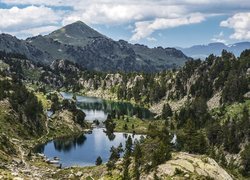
34 160
83 149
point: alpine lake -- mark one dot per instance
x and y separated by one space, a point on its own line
84 149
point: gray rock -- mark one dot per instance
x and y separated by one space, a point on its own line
247 95
79 174
71 176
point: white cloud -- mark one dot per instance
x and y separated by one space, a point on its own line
18 19
129 27
151 39
35 31
146 28
221 34
240 22
76 3
42 2
151 15
106 13
219 38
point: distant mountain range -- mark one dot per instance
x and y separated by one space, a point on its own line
202 51
83 45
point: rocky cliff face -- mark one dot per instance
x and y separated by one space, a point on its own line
11 44
65 66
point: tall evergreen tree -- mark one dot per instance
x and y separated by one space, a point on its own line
166 111
245 156
98 161
138 156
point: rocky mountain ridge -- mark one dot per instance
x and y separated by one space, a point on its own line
81 44
11 44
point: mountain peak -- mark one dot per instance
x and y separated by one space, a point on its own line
77 34
78 24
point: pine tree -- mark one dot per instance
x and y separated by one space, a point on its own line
125 127
194 141
245 156
223 159
161 154
128 146
109 124
74 97
98 161
126 160
138 156
166 111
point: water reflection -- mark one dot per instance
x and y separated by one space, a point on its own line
66 144
49 113
98 109
83 150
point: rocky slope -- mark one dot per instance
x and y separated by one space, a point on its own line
11 44
76 34
81 44
218 80
182 166
189 166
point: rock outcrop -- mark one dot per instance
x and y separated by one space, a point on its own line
190 166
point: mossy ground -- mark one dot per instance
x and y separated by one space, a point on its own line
3 65
92 172
42 98
135 125
31 73
233 111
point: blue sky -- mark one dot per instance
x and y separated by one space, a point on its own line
167 23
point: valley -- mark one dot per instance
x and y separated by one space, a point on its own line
205 105
76 104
